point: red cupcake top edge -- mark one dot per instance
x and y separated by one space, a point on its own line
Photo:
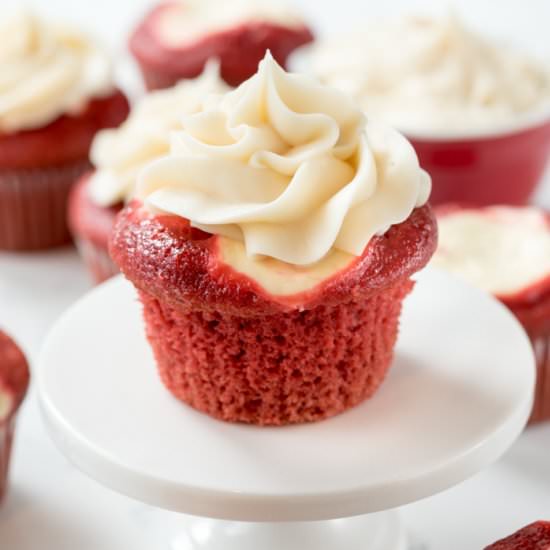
528 296
239 48
164 256
64 140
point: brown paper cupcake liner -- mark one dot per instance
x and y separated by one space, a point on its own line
97 260
33 205
6 438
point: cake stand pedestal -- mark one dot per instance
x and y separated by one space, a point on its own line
459 393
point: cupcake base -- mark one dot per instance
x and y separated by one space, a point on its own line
286 368
33 205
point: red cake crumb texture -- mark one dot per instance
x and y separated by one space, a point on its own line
38 167
227 347
91 225
14 380
533 537
239 50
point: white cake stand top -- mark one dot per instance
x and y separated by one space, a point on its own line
458 395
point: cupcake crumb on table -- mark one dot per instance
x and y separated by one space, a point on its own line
14 380
176 39
118 155
265 301
56 93
506 251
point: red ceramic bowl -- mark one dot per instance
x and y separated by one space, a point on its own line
488 168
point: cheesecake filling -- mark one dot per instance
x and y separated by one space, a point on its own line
186 21
498 249
281 278
287 171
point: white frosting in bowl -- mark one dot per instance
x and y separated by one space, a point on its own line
46 71
435 76
502 250
185 21
289 167
119 154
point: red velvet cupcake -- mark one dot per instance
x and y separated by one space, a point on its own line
177 38
272 251
506 251
119 154
56 93
14 380
533 537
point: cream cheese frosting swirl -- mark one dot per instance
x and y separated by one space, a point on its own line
119 154
46 71
434 74
289 167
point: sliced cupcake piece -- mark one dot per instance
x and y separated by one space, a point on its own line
14 380
533 537
505 251
177 38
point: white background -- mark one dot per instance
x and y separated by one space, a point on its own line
53 507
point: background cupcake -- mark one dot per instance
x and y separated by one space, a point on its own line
56 92
477 112
506 251
14 380
265 299
118 155
176 39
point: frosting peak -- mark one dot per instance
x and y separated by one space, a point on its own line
289 167
46 71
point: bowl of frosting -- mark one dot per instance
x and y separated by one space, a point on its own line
476 111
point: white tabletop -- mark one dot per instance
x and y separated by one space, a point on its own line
52 506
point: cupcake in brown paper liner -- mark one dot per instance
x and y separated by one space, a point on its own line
56 92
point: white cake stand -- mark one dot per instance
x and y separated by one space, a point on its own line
458 395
